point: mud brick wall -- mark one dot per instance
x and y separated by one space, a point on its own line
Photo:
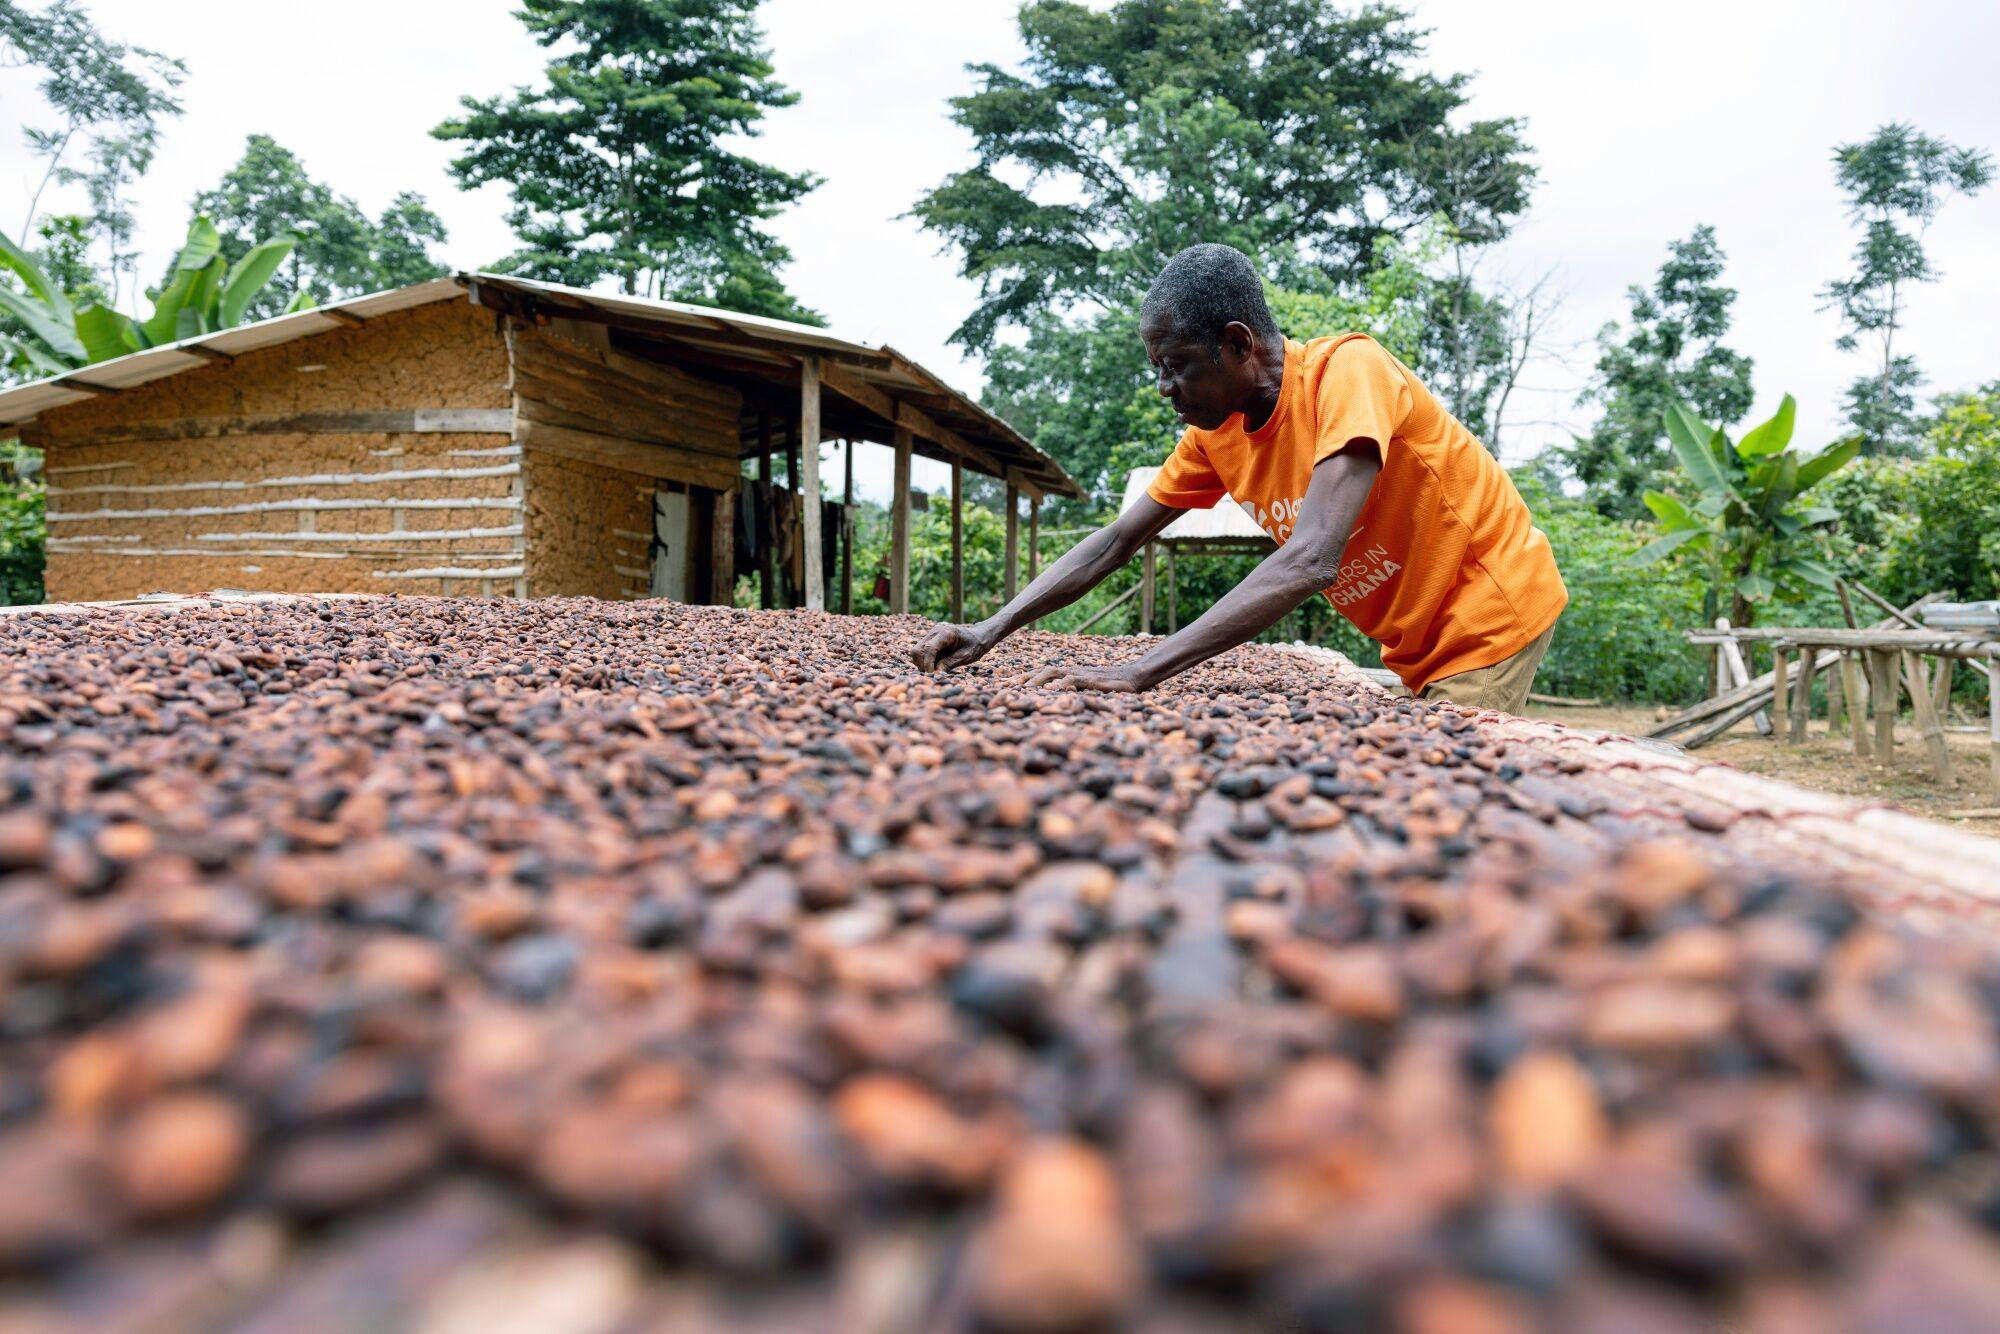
599 428
283 470
587 526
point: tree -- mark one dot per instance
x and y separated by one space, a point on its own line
1745 518
338 250
1895 184
1270 125
99 90
619 165
1671 352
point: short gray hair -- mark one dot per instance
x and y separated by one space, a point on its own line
1207 287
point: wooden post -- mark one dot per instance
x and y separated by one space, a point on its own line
1836 696
1732 662
1941 688
1856 683
815 580
767 527
957 540
722 550
899 527
1926 716
1173 595
1993 720
1882 686
847 532
1146 590
1013 543
1802 694
1034 537
1781 697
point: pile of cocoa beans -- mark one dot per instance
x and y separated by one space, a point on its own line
575 965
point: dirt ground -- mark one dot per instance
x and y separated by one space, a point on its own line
1828 763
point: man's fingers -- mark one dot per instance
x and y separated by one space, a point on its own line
923 656
1047 676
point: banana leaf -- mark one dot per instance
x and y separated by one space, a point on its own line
1662 546
42 323
1827 462
107 333
1670 511
247 277
1690 437
1772 436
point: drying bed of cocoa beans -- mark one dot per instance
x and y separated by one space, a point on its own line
562 965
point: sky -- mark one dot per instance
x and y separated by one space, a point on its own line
1645 120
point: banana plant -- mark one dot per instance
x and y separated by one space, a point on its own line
202 295
1746 521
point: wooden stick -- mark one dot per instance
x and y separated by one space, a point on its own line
847 532
957 540
1732 661
1146 587
1941 687
1108 608
1856 684
899 526
767 527
1802 696
1836 698
1882 670
1173 595
1847 605
1012 557
1564 702
1927 719
1993 720
1781 697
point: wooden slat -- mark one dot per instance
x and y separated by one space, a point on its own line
378 421
660 431
647 460
1013 546
957 540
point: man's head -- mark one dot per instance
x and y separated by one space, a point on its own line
1209 334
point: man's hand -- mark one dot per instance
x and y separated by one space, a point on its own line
1124 679
949 646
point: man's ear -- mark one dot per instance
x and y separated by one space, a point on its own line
1239 340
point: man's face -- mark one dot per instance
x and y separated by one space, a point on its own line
1206 385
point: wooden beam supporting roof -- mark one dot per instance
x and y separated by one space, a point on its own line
809 514
899 527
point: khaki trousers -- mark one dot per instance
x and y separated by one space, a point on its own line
1503 686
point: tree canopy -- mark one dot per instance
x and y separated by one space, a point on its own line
1895 183
1670 352
620 164
1291 129
338 250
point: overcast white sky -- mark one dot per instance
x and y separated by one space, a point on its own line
1646 120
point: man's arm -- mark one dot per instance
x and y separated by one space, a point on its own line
1305 565
1080 569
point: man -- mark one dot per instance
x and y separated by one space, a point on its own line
1377 497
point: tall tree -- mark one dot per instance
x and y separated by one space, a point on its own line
1895 184
339 251
97 88
620 166
1670 352
1271 125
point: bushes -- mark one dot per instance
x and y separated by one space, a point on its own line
1621 636
23 526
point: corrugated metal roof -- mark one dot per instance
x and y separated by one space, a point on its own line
775 342
1225 523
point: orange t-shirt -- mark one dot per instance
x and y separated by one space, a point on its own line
1446 569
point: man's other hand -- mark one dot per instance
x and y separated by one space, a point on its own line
1122 680
949 646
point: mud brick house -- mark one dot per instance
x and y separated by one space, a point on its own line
484 434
